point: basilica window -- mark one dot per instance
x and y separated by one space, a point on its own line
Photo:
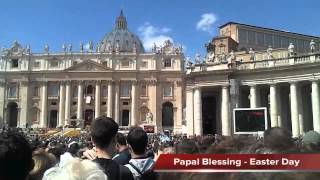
104 91
167 90
125 90
144 64
125 63
89 90
242 36
105 63
167 62
14 63
251 37
54 64
36 64
35 91
75 91
143 90
268 40
12 91
53 90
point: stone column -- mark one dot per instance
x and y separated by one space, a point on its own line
225 115
294 109
110 97
133 120
68 102
178 94
24 96
315 106
253 96
197 111
155 94
300 111
97 101
189 112
273 105
2 103
116 101
80 101
62 94
44 105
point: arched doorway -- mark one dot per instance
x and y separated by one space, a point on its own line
125 118
53 120
88 117
209 108
167 115
12 119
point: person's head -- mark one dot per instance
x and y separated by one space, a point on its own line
278 139
76 169
187 146
121 142
42 162
311 137
73 148
57 151
103 131
137 140
207 141
15 156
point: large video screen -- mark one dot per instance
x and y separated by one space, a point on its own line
249 120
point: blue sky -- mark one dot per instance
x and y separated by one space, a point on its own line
55 22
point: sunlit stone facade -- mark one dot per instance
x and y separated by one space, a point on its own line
116 78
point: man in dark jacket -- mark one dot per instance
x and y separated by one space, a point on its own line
123 157
103 131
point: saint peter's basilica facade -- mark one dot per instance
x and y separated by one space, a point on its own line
116 78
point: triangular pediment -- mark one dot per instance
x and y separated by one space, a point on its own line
88 65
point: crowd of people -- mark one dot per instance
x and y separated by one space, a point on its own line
104 153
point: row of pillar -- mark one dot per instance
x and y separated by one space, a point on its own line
65 102
295 106
194 113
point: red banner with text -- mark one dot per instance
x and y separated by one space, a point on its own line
237 162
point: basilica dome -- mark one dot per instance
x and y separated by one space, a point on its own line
120 39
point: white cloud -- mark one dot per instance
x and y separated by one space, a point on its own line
206 22
151 34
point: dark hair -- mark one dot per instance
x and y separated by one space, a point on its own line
73 148
103 129
15 156
138 140
121 139
278 138
187 146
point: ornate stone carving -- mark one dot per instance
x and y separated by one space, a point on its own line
16 49
46 48
70 47
312 46
81 47
291 50
64 47
149 118
269 53
252 54
197 58
90 46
